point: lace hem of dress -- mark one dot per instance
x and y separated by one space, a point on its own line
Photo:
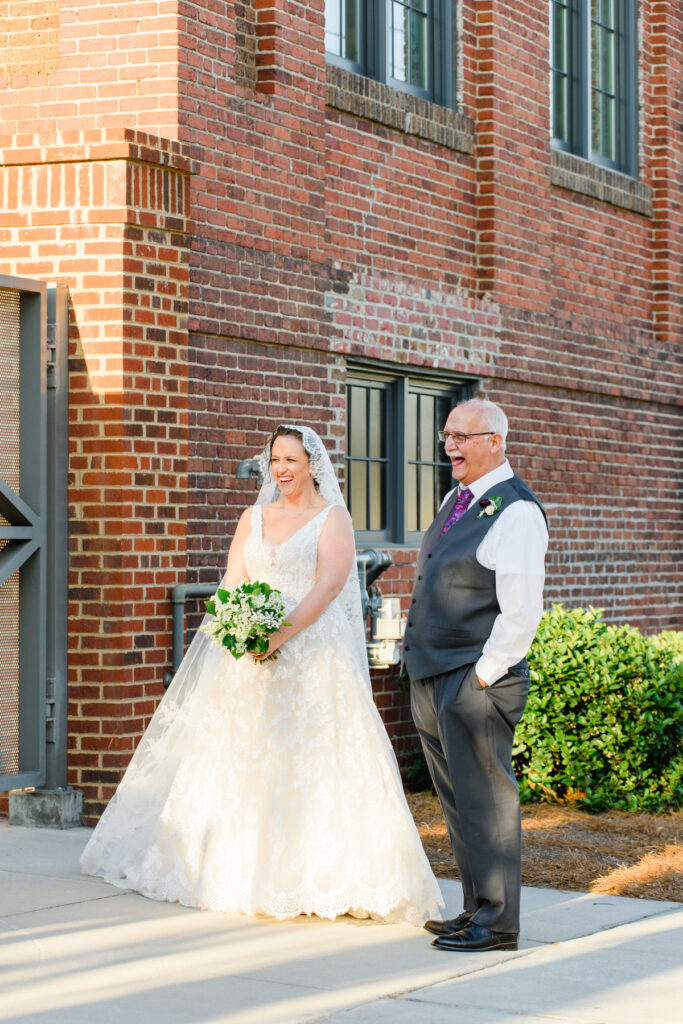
388 906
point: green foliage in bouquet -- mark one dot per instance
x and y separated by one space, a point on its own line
245 618
604 722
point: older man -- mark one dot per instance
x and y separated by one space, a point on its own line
474 611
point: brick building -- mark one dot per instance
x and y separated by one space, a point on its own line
350 214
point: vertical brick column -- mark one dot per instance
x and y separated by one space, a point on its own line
290 42
666 75
136 526
268 62
110 220
512 140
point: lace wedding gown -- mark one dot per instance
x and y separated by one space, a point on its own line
273 788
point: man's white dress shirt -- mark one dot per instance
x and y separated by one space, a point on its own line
514 548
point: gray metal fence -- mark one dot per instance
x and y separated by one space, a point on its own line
32 433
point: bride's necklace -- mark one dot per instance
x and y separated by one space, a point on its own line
297 514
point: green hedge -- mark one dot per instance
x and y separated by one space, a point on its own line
604 722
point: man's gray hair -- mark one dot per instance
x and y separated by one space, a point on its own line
492 415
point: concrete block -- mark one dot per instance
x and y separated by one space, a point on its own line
46 808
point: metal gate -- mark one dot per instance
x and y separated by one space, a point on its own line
33 432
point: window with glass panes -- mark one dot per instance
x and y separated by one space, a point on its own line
397 473
603 94
429 476
409 58
594 80
405 43
367 408
343 29
559 63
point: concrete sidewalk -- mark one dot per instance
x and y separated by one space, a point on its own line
75 950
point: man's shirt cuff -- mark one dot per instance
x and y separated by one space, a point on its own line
490 670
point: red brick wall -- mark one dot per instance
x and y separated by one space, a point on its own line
282 216
567 341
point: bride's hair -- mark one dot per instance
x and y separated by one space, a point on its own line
283 431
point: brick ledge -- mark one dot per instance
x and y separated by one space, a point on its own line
375 101
579 175
95 145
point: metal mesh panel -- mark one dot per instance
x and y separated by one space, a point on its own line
9 674
9 471
9 386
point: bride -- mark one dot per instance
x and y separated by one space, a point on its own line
270 787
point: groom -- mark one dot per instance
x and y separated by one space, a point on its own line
474 611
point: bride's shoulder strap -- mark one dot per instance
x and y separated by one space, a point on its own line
324 515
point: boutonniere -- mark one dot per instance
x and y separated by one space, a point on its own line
489 506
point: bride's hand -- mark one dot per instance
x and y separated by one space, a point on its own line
275 641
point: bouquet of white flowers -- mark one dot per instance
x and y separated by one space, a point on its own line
245 617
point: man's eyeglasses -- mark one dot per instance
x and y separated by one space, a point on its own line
459 437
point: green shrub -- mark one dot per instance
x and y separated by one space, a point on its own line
604 721
671 641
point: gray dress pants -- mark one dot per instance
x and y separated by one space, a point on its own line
466 732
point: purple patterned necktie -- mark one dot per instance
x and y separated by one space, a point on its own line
458 510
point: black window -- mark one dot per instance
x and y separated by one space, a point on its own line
396 470
594 81
405 43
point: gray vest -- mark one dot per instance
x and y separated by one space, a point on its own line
454 605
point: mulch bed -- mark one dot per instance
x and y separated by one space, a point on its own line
614 852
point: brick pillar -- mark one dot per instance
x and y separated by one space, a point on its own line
290 43
259 247
512 146
666 75
109 218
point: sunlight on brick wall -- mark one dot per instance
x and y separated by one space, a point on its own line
29 42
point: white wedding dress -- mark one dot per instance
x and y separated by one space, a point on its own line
270 788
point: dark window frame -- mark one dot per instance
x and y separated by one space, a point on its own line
397 386
579 85
375 43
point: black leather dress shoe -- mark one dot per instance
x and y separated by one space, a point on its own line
474 937
448 927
